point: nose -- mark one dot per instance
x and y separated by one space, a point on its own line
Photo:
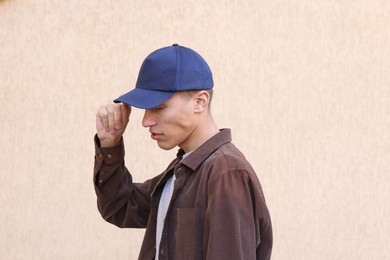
148 119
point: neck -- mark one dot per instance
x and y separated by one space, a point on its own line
203 132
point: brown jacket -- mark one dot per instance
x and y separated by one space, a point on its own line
217 209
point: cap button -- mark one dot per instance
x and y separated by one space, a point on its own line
175 44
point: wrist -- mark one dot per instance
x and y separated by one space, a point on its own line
104 142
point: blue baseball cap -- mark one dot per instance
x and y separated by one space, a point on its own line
165 72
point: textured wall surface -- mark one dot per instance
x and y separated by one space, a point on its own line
304 85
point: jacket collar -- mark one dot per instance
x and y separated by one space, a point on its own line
199 155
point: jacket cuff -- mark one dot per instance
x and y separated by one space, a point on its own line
109 155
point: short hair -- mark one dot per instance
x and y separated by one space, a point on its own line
190 93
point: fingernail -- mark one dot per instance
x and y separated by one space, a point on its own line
118 126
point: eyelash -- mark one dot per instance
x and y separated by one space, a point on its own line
157 108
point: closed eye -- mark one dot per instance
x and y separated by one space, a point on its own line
158 108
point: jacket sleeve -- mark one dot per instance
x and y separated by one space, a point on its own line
237 221
119 200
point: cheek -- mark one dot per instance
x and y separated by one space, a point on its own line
179 118
186 123
176 130
179 126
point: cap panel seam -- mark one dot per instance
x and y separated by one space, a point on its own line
178 68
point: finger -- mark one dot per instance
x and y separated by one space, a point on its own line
102 114
110 116
118 116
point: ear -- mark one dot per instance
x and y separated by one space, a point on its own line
202 99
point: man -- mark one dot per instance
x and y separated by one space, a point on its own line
208 203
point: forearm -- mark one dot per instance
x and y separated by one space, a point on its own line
119 200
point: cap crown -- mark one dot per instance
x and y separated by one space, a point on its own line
166 71
174 68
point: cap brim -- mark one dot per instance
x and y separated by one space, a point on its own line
144 98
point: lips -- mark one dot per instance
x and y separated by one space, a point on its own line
155 136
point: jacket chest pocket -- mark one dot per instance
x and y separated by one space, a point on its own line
189 226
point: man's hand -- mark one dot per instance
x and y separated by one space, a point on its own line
111 122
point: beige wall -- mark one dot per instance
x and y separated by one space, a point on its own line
304 85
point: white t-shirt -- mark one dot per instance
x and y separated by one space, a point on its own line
165 200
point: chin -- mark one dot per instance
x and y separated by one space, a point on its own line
166 147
